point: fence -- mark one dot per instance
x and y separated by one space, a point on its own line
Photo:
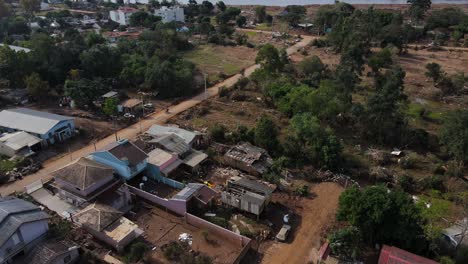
245 242
176 206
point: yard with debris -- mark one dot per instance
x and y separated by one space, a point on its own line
162 227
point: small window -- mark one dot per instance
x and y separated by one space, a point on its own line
67 259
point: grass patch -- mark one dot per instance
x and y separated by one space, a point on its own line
217 60
7 165
263 26
251 33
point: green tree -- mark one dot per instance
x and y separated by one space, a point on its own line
101 61
4 9
110 106
221 6
30 6
312 70
383 216
434 71
14 66
85 91
346 243
266 134
381 59
92 39
384 121
268 57
293 14
172 77
35 86
206 8
260 14
308 141
143 19
418 8
241 21
454 134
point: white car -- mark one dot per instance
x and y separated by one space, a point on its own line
283 233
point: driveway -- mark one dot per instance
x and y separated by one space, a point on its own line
132 131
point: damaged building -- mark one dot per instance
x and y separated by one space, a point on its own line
249 158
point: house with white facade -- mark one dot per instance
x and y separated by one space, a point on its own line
123 156
19 144
122 15
170 14
50 128
22 226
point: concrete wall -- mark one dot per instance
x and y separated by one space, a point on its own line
176 206
6 151
173 183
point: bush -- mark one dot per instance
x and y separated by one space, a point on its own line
223 91
409 161
302 190
219 221
137 251
346 243
218 132
406 183
433 183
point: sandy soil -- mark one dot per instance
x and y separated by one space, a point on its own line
161 228
316 214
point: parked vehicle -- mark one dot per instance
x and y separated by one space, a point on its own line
283 233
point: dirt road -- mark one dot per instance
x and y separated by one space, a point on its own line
316 213
133 130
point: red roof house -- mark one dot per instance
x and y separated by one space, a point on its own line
394 255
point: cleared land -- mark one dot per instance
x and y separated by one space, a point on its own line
217 61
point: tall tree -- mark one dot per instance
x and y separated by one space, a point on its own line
266 134
30 6
260 14
4 9
383 216
35 86
418 8
454 135
221 6
268 57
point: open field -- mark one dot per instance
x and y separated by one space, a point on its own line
161 228
217 60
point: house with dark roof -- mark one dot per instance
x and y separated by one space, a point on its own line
247 195
84 180
107 224
123 156
53 252
22 226
196 195
50 128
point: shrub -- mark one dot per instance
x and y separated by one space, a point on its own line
302 190
217 132
223 91
406 183
219 221
434 182
137 251
346 243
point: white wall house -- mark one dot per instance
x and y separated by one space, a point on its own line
50 128
170 14
122 15
22 226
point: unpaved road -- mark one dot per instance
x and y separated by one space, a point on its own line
133 130
316 213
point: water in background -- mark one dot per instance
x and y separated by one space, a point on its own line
316 2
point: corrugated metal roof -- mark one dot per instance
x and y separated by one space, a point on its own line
195 158
172 143
30 120
13 213
19 140
17 48
188 191
187 136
